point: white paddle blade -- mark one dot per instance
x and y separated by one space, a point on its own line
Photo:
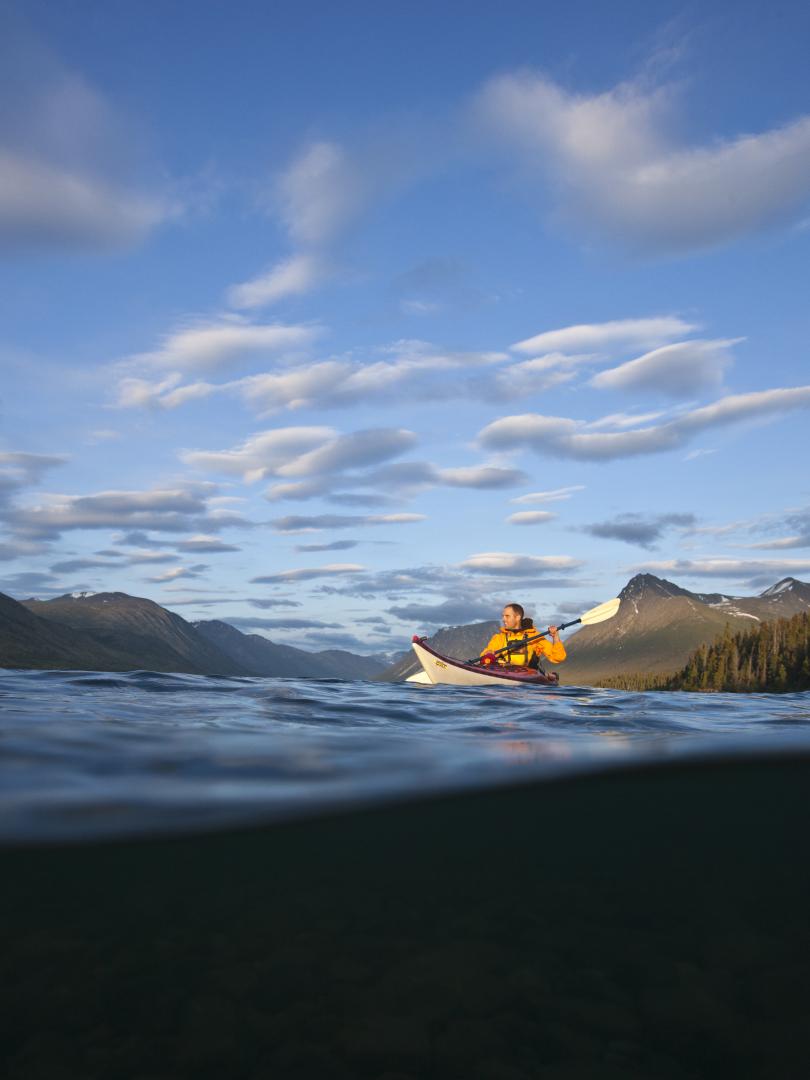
600 613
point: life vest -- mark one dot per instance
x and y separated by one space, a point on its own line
517 657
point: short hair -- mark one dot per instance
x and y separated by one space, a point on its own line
516 608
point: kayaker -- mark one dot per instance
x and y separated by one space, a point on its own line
518 629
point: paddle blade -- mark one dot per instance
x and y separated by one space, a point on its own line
601 612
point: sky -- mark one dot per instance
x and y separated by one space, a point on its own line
345 322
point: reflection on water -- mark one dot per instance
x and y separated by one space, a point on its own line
649 924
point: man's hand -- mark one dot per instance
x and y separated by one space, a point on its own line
555 634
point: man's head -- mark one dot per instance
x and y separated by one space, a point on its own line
512 615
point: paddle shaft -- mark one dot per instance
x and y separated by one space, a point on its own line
516 645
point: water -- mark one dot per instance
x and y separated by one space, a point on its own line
208 877
93 754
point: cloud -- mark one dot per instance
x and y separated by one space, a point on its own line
798 524
635 529
598 337
69 167
679 370
70 566
284 623
617 168
262 454
479 476
291 277
566 438
217 344
19 549
401 478
447 613
44 206
725 567
556 495
336 545
530 517
206 544
167 510
164 394
319 194
416 368
264 604
351 451
300 523
504 563
308 574
19 469
179 572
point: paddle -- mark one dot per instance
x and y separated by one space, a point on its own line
600 613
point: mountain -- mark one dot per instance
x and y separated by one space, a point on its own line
659 625
27 641
117 632
148 635
460 642
257 655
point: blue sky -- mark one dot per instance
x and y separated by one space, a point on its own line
341 325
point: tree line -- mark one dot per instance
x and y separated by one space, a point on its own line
774 657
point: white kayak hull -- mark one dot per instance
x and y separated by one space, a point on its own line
444 670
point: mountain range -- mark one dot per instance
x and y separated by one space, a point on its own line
117 632
658 626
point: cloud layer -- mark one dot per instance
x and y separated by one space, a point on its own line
616 166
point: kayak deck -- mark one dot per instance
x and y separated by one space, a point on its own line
437 668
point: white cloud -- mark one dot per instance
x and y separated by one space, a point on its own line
44 206
556 495
566 438
291 277
416 368
354 450
530 517
617 334
168 510
177 572
218 344
19 469
723 567
319 193
262 454
680 370
479 476
298 523
71 172
617 167
501 562
305 574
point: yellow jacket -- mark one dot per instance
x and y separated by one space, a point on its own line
551 650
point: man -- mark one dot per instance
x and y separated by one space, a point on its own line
517 629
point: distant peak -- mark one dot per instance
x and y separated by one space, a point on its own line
649 584
785 585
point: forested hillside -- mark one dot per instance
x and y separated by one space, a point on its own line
773 657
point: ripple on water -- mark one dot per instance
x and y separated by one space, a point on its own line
174 751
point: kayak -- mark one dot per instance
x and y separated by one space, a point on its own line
445 669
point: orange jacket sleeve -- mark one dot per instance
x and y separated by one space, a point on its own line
552 650
497 641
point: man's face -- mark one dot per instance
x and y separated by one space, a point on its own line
511 619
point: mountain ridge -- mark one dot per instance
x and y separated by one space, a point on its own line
657 627
113 631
